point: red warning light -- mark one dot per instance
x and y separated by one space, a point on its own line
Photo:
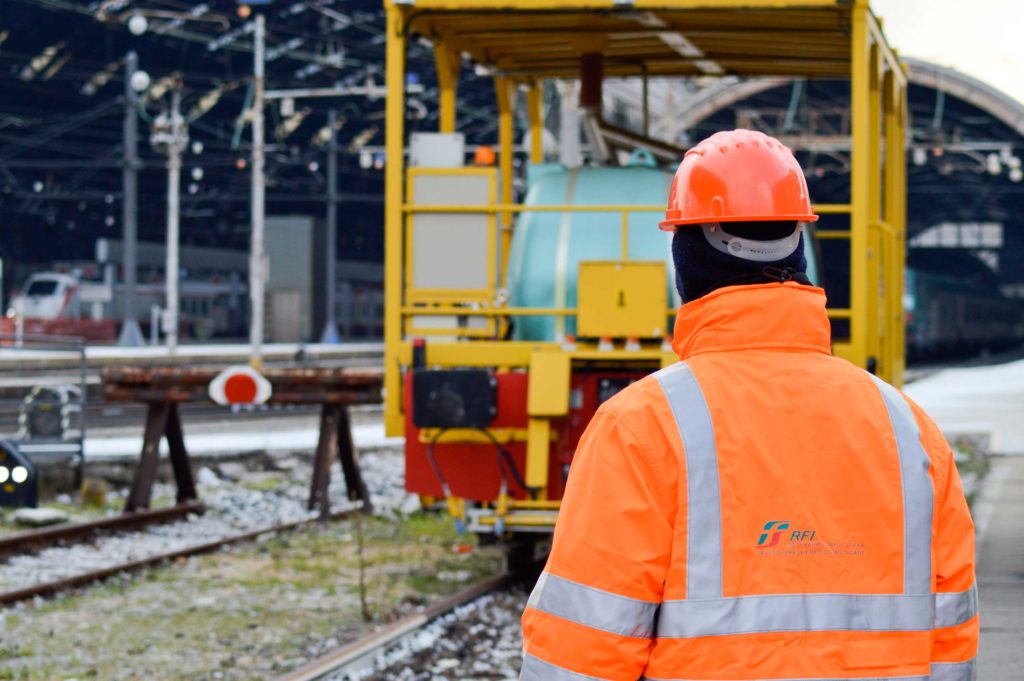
240 385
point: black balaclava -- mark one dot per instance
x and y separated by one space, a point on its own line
700 268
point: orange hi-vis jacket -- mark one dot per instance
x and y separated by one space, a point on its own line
760 510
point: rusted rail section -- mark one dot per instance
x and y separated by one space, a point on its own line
34 541
45 589
361 651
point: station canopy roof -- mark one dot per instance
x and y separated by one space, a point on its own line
809 38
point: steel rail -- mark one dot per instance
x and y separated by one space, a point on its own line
360 650
50 588
34 541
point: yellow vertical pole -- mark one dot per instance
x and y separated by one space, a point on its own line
447 62
535 106
505 92
860 181
394 219
901 226
876 314
895 197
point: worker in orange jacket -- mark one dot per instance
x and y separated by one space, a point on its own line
761 509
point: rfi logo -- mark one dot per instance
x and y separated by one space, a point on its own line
775 528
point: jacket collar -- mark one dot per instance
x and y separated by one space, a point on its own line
786 316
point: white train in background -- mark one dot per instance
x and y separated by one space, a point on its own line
84 299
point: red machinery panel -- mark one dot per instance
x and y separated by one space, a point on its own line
472 470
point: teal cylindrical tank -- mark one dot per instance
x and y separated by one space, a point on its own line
547 248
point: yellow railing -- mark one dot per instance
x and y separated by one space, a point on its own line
506 208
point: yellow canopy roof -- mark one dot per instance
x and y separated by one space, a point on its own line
545 38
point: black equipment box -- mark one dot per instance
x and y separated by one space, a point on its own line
454 398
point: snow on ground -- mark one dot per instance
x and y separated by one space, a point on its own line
294 437
971 400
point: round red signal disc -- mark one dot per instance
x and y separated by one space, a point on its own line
240 389
240 385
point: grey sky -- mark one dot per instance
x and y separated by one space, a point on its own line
980 37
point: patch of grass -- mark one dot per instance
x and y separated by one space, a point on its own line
262 485
250 612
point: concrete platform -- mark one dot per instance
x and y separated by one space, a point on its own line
985 400
999 515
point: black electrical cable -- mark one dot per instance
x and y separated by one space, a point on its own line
505 456
433 462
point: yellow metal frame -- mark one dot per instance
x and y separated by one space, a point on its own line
527 41
482 295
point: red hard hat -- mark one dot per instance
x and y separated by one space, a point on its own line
738 176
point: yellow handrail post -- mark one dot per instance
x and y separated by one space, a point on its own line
535 107
860 181
394 218
895 169
877 255
448 65
505 90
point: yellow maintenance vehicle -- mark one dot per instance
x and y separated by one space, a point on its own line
509 319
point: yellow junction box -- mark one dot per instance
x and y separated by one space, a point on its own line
621 299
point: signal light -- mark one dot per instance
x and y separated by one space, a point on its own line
19 485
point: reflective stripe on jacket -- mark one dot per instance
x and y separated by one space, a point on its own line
761 510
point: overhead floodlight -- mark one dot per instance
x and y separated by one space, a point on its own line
140 81
993 165
137 24
1016 175
920 156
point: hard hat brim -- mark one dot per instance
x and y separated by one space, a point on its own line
671 224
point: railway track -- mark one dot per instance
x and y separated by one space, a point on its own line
45 589
360 653
34 541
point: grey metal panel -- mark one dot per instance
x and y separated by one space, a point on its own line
450 250
437 150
